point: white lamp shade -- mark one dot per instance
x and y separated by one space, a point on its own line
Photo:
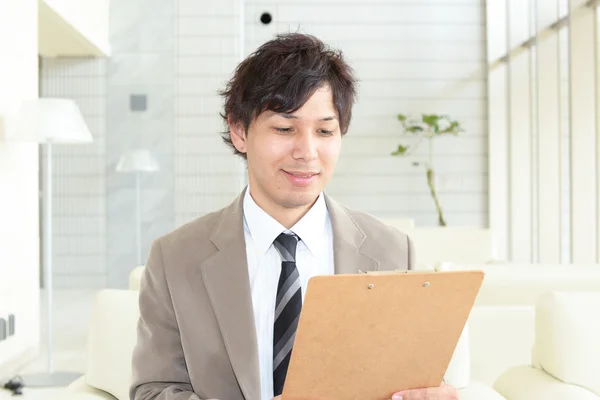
51 120
139 160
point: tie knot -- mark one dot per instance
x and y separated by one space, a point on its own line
286 244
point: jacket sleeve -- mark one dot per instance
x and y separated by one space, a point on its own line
159 368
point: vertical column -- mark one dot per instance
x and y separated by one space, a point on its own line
565 134
520 133
548 120
584 218
497 114
597 48
139 115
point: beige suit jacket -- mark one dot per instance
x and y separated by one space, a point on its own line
196 333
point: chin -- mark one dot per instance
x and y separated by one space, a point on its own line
300 199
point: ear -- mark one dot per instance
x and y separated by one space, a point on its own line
238 136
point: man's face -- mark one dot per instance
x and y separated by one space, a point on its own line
291 157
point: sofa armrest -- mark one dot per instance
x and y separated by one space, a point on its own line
528 383
135 278
80 390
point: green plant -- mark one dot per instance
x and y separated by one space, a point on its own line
427 127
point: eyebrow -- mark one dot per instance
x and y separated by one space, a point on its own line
292 116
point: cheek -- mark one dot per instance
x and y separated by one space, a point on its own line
281 149
269 150
330 152
278 148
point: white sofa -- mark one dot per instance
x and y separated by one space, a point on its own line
400 223
502 323
508 295
465 245
459 244
111 341
566 357
135 278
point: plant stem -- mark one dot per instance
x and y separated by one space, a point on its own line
431 152
431 184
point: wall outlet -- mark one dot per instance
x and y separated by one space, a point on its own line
138 102
11 325
3 329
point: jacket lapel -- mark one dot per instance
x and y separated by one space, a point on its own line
227 283
347 241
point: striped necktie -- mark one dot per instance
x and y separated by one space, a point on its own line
287 309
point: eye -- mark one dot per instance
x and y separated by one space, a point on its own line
283 130
325 132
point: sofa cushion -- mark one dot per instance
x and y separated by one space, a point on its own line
500 338
528 383
112 338
479 391
567 337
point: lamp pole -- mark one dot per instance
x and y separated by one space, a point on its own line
138 217
48 256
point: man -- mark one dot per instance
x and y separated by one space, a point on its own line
221 296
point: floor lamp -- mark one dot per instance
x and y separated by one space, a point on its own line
137 161
48 121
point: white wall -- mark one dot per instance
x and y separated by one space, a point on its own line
207 49
410 57
19 231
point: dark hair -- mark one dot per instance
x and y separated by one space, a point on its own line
281 75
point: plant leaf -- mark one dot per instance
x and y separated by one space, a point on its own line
454 128
432 120
400 151
415 128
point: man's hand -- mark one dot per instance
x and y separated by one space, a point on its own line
444 392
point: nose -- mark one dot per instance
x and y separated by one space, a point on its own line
305 147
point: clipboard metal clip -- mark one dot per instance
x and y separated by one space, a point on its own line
396 271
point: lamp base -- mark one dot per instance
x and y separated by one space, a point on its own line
55 379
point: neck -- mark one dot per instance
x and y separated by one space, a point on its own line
286 216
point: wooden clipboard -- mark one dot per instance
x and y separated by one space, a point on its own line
367 336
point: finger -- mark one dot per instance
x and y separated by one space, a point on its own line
415 394
450 392
438 393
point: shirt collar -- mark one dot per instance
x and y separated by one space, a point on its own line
265 229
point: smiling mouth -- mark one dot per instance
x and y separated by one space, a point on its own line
301 179
301 174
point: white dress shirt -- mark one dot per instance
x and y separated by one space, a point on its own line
314 256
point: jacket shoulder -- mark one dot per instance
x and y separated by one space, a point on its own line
196 229
189 244
393 247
